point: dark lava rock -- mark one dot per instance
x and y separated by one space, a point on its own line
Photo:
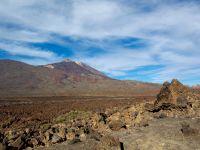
103 117
1 137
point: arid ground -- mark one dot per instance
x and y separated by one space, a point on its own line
19 111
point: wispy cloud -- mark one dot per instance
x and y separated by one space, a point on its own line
168 33
25 50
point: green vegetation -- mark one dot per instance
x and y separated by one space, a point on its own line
71 116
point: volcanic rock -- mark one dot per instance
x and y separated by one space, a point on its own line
148 107
83 137
95 135
18 143
116 125
70 136
56 139
109 142
33 142
41 139
62 133
173 94
2 146
47 135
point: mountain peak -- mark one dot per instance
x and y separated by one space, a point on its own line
79 63
76 68
76 62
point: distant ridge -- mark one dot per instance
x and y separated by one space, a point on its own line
66 78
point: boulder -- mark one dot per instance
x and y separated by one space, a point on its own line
173 94
18 143
56 139
95 135
116 125
1 136
41 139
70 136
109 140
27 130
47 135
45 127
82 137
33 142
12 135
62 133
148 107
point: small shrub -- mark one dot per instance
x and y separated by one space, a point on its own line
71 116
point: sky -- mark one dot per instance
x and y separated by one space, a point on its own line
146 40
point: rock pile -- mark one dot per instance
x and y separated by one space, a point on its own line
73 127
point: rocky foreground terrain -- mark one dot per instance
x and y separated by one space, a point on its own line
172 121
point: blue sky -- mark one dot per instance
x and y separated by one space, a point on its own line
147 40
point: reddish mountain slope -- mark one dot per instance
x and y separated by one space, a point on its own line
65 78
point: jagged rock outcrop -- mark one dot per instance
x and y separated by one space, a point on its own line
174 95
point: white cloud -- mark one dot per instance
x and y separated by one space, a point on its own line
99 19
171 27
25 50
119 60
23 35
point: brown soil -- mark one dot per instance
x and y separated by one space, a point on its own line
29 111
